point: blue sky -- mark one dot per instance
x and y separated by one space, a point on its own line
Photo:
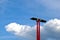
20 11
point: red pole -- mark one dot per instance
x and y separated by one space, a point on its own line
38 30
38 27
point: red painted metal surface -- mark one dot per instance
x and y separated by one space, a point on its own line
38 30
38 26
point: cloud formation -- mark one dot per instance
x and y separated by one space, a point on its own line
49 31
53 29
21 30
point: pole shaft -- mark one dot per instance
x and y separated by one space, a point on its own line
38 30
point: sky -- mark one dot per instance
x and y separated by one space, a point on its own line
15 23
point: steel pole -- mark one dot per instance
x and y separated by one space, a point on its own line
38 30
38 26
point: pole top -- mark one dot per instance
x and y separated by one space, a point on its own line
37 19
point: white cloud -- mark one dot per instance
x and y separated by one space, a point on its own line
53 29
21 30
49 31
